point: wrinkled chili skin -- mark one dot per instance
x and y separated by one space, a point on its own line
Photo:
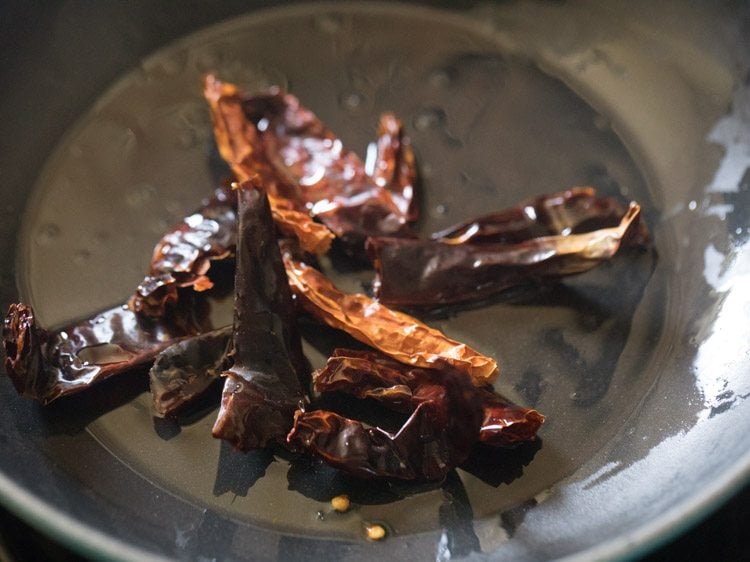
368 374
504 423
183 256
269 374
395 165
439 434
23 342
573 211
396 334
237 141
186 370
46 365
421 273
333 182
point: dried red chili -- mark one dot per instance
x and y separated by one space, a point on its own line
506 424
46 365
268 377
183 256
291 147
368 374
573 211
186 370
396 334
414 272
446 415
237 140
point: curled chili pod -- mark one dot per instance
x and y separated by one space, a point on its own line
446 415
396 334
353 199
269 374
237 140
419 273
573 211
45 365
186 370
183 256
368 374
506 424
394 166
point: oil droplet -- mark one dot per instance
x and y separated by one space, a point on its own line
175 209
104 354
693 205
128 140
441 77
81 256
47 234
169 66
186 139
351 101
272 78
601 123
440 209
101 237
193 115
192 124
429 118
328 23
140 195
207 60
159 226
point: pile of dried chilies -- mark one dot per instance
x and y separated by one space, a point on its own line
297 189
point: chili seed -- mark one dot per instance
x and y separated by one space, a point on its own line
340 503
374 532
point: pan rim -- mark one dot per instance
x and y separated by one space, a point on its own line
89 541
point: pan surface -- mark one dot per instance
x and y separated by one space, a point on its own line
641 366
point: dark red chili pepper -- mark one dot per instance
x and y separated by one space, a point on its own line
414 272
573 211
506 424
369 374
444 424
334 184
238 144
268 377
186 370
396 334
45 365
183 256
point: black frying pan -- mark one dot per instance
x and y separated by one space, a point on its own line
642 367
